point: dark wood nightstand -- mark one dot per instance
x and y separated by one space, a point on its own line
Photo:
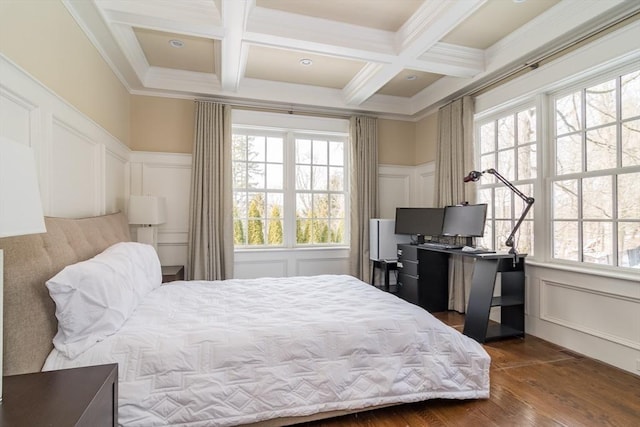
69 397
171 273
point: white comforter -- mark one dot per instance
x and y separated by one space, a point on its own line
240 351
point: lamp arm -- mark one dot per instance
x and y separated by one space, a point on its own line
502 179
528 200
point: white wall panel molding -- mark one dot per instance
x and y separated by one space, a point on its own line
260 268
310 267
79 163
590 312
425 188
168 175
75 172
250 263
395 188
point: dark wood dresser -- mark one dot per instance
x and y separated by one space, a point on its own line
70 397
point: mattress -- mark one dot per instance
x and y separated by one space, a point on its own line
234 352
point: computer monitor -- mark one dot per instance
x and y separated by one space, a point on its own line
419 221
464 220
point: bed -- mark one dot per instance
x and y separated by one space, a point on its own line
267 351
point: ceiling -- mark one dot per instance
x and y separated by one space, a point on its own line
395 58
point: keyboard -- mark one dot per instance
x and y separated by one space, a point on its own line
436 245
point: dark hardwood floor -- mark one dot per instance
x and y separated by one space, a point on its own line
533 383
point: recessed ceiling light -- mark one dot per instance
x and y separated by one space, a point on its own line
306 62
412 77
519 1
176 43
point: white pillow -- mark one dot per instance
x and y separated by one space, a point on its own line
95 297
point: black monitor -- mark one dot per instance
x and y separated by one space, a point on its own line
419 221
464 220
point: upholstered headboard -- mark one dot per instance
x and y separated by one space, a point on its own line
29 261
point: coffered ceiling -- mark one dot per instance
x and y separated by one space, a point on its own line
391 57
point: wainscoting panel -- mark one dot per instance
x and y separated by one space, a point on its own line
394 189
168 175
16 116
75 180
255 269
82 168
590 311
425 185
116 173
311 267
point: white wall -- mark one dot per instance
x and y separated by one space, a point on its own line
405 186
82 168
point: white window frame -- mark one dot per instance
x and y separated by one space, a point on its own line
543 188
488 182
575 86
290 127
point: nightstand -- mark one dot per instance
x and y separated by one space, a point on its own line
85 396
171 273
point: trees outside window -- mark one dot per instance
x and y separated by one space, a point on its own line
289 188
595 191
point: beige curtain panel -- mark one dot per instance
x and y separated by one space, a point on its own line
454 161
364 190
210 245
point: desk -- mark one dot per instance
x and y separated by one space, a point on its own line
386 265
423 279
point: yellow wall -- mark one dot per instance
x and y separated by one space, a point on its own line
426 139
407 143
162 124
44 39
396 142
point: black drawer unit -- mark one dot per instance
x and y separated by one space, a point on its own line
416 283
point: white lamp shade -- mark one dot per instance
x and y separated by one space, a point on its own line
20 204
147 210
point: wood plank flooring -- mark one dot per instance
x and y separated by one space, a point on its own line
533 383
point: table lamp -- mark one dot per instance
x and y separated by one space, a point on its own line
20 204
476 175
147 211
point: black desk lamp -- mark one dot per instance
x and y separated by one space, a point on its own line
475 175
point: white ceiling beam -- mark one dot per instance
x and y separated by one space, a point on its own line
432 21
234 52
317 35
196 12
166 25
450 60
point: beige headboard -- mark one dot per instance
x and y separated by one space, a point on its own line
29 261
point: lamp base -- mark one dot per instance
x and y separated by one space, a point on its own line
148 235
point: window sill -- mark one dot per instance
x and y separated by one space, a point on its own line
280 249
626 274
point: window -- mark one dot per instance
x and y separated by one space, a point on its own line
290 188
595 186
508 144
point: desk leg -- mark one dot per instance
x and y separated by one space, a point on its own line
373 273
386 276
482 284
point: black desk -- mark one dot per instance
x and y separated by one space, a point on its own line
423 279
386 265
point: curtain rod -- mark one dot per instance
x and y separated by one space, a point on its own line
559 51
281 109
